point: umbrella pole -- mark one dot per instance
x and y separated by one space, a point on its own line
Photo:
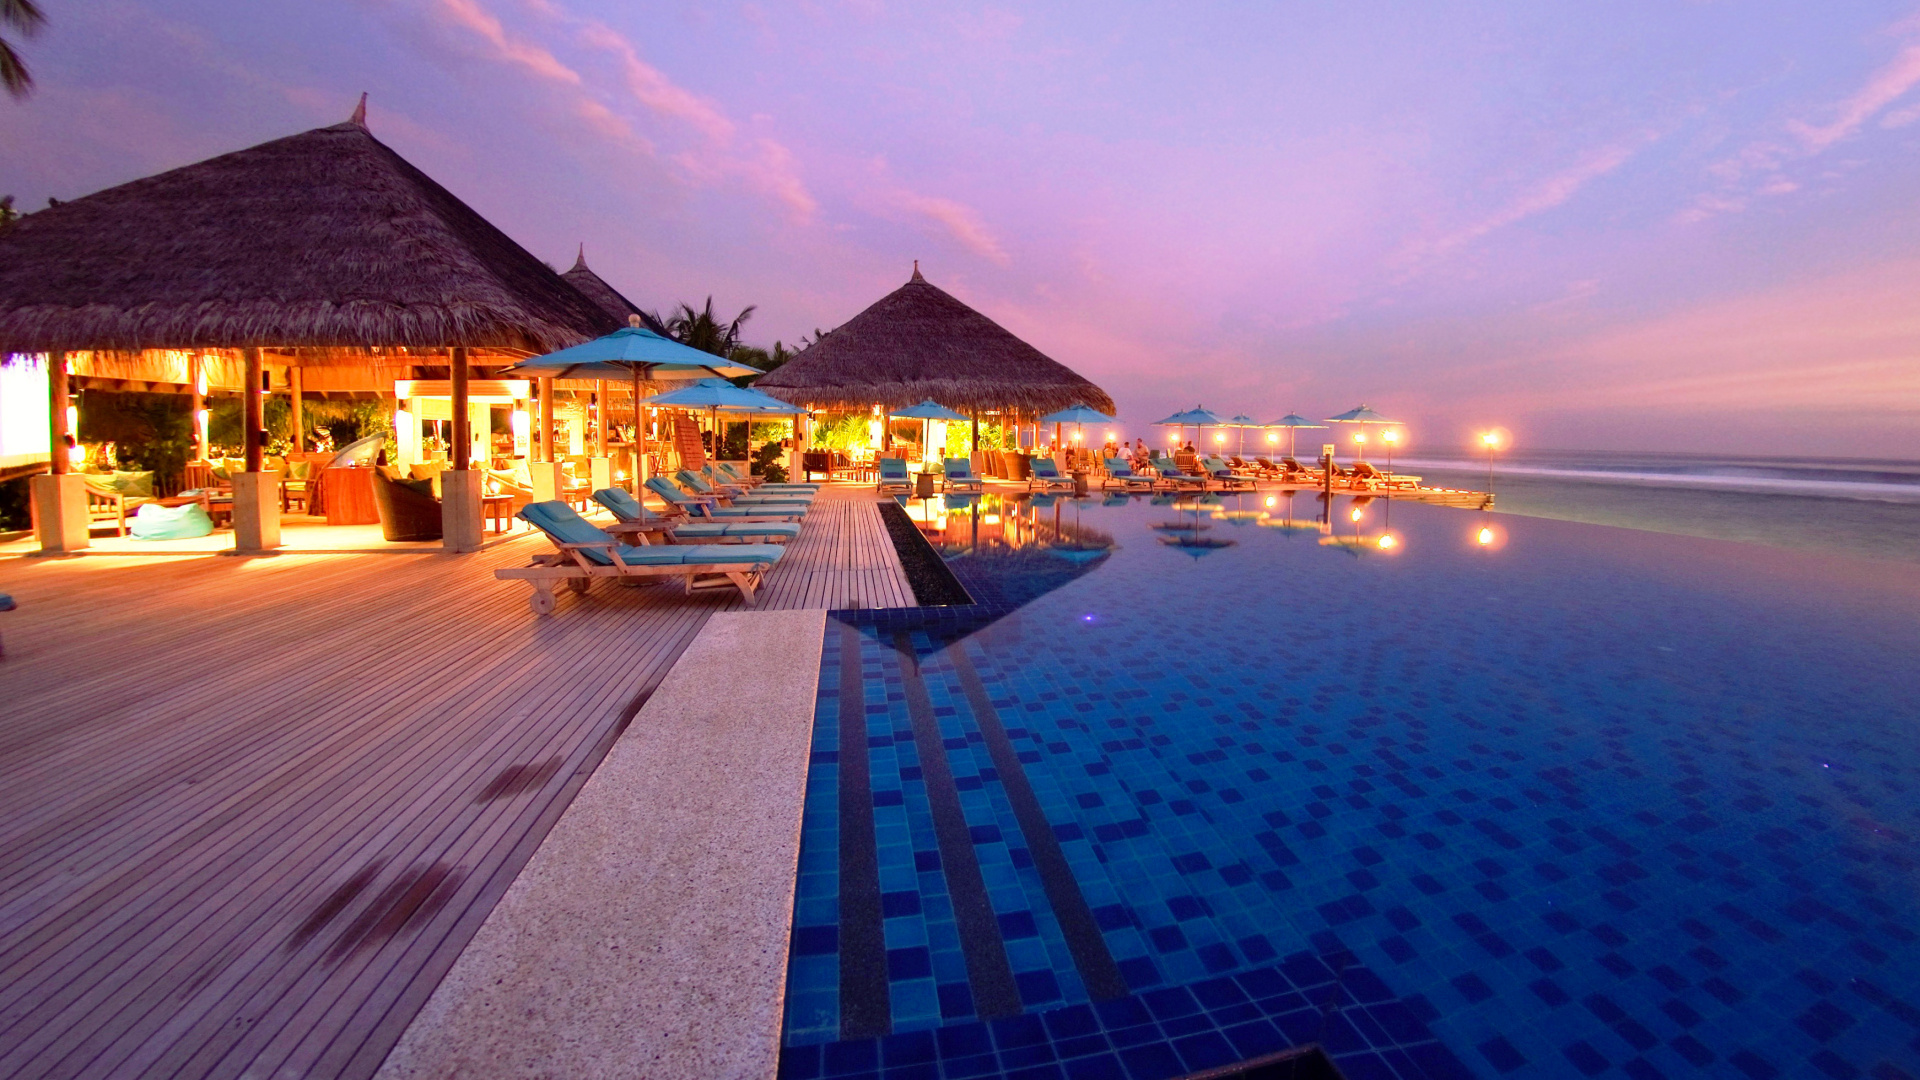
639 438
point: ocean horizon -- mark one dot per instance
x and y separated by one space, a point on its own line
1858 507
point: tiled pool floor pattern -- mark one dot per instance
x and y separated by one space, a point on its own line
1568 810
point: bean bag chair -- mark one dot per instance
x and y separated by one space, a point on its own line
156 522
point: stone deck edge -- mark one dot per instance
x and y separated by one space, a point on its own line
648 935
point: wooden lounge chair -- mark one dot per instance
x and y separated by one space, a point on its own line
709 507
1365 475
1120 472
893 475
1224 475
586 552
111 495
957 475
1046 475
1293 472
722 472
680 529
1177 477
699 487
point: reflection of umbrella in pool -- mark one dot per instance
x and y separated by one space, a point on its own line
1187 537
1285 522
924 412
1293 422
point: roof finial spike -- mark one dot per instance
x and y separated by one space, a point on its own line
580 260
916 273
359 117
633 321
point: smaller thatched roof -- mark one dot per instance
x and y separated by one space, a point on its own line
605 296
918 342
326 238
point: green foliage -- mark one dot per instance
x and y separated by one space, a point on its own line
152 432
26 17
702 329
842 433
8 215
768 462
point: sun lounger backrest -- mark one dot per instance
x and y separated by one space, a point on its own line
893 469
621 502
1119 466
694 480
559 522
958 468
1046 469
662 487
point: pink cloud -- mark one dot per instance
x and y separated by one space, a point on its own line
471 15
962 222
657 92
1884 88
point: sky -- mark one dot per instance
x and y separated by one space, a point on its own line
1655 225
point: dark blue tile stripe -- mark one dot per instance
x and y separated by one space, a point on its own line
865 1005
990 975
1084 939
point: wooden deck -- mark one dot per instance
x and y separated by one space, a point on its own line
252 809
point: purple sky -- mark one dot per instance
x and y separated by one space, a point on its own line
1638 225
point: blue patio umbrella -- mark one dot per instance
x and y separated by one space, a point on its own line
1075 414
1362 415
1196 417
1293 422
1243 422
924 412
632 353
716 396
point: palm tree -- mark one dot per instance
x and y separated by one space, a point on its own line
24 16
700 329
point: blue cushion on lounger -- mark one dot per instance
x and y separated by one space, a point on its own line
156 522
725 553
621 502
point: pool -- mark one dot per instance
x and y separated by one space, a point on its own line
1446 793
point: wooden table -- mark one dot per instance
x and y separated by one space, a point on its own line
350 497
497 509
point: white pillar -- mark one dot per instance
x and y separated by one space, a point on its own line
460 508
256 511
60 513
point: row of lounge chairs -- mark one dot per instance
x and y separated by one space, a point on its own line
719 530
1227 474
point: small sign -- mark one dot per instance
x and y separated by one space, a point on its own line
1326 450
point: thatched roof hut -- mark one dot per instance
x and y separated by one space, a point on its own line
605 296
325 239
918 342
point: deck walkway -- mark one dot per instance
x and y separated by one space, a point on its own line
251 810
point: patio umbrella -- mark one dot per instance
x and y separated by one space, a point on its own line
1243 422
926 411
1075 414
1293 422
716 396
1196 417
635 353
1362 415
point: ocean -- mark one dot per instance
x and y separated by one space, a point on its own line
1860 508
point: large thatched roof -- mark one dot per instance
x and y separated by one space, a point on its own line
326 238
605 296
917 343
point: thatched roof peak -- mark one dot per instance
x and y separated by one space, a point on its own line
919 342
322 239
606 297
359 117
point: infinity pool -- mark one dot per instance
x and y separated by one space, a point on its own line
1449 794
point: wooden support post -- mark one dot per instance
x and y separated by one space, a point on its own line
197 375
295 412
459 455
546 422
252 416
600 418
57 401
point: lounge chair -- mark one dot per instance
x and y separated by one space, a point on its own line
707 506
587 552
1224 475
893 474
1120 471
682 530
720 470
111 495
1365 475
1293 472
958 475
1179 478
1046 475
697 485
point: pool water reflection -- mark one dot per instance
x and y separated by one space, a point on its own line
1450 793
